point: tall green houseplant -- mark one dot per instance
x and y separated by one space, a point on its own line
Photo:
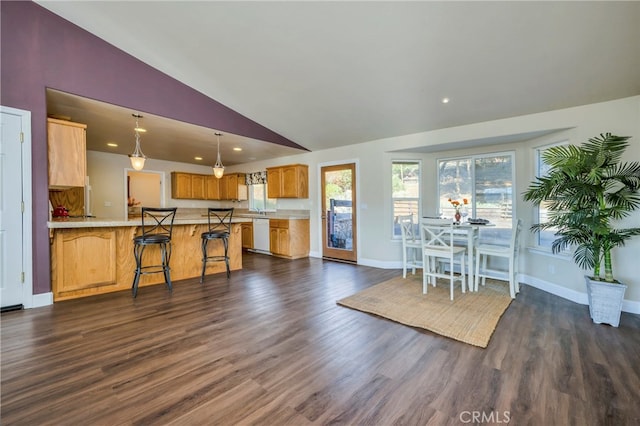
587 189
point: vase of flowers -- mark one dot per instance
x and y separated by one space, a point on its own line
457 205
131 204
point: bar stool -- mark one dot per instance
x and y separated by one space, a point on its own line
219 221
157 225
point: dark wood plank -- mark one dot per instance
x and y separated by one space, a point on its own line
271 346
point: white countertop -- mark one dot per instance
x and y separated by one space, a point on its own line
94 222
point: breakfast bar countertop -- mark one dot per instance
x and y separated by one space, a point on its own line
93 222
191 218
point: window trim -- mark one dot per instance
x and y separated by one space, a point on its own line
419 162
250 197
537 158
473 157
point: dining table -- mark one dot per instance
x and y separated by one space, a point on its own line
468 233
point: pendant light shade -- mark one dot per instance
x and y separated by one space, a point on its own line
137 157
218 168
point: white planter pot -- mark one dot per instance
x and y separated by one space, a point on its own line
605 301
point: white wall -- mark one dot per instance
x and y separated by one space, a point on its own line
145 188
107 174
374 158
375 246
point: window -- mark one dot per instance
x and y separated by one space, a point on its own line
486 182
547 237
405 190
258 198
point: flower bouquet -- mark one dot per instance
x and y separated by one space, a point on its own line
457 205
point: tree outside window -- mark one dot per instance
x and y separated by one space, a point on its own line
258 198
405 184
486 182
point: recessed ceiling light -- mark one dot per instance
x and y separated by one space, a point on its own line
112 144
445 100
237 149
197 158
140 129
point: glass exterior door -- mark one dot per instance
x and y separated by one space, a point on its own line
339 212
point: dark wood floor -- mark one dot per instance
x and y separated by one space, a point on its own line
270 346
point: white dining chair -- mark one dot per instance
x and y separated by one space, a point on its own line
510 252
411 245
437 244
467 236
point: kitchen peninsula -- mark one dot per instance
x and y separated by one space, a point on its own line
92 256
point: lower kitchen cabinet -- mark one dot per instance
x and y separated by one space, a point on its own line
96 260
289 237
83 261
247 235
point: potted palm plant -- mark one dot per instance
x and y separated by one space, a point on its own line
589 188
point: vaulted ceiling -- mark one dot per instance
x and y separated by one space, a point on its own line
327 74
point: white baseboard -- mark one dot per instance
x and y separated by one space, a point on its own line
630 306
555 289
374 263
40 300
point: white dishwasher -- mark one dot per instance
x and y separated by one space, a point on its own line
261 235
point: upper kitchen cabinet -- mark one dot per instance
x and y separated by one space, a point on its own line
291 181
233 187
194 186
181 185
212 185
188 186
67 148
198 187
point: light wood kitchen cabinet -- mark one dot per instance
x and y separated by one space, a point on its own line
189 186
233 187
67 150
207 187
95 273
213 187
289 238
97 260
181 185
291 181
247 235
198 187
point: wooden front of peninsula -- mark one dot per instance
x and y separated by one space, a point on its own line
90 257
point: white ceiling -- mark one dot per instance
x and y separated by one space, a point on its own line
326 74
112 124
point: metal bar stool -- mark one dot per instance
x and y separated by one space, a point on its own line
219 221
157 225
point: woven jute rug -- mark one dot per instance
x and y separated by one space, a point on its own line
470 318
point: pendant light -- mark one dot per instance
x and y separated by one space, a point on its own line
137 158
218 169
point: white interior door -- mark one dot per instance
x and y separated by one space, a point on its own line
13 229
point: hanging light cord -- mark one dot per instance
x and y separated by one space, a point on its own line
218 168
138 151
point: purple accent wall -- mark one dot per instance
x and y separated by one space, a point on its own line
39 50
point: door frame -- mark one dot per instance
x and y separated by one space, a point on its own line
162 186
320 228
27 214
